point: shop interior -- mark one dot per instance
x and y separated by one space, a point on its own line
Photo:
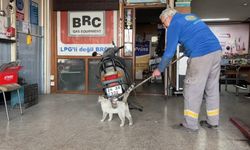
149 44
58 83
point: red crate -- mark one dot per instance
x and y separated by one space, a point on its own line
9 75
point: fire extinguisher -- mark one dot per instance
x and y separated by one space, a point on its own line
28 38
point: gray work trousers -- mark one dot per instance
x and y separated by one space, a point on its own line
202 82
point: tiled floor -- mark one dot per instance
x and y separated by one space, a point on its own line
72 122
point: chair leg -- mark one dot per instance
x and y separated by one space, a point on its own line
219 87
20 103
6 107
226 85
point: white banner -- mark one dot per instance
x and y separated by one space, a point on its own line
76 46
81 49
90 23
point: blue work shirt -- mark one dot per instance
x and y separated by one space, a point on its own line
193 34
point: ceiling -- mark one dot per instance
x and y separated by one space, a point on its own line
236 10
150 15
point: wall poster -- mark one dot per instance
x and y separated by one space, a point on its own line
34 13
82 33
234 39
142 53
128 32
20 10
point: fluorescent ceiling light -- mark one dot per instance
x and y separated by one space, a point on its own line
215 19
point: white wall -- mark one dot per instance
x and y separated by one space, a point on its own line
234 36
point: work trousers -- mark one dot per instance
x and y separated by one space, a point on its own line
202 82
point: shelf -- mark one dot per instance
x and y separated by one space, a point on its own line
7 41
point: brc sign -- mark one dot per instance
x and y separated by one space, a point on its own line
86 20
87 23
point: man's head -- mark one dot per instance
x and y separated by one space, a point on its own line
167 15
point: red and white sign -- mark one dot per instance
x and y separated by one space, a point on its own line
19 16
20 10
82 33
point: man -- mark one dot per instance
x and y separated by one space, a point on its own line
203 65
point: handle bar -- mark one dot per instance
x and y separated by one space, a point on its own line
119 49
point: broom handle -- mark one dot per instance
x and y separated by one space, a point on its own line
152 76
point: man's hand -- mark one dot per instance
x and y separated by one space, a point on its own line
156 73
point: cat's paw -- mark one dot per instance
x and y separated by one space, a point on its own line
131 123
122 124
109 119
102 120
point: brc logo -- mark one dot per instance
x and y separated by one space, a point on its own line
9 77
87 20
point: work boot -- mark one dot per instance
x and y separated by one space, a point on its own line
247 95
204 123
183 127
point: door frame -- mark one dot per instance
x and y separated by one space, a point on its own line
134 7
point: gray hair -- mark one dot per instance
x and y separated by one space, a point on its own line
168 12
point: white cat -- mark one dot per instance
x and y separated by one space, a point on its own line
121 109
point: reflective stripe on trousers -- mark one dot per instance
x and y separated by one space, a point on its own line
214 112
189 113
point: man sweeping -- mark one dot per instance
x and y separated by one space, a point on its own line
203 65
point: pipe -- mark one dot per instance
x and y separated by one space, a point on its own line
171 3
1 6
